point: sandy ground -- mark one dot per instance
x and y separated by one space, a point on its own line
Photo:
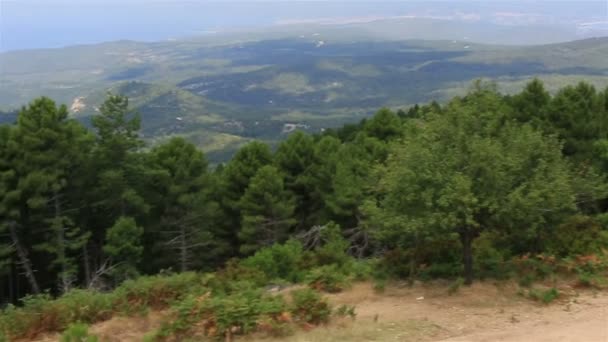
485 312
482 312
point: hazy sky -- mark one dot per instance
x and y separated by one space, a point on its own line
55 23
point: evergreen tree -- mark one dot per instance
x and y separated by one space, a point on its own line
184 205
295 157
124 247
235 178
267 210
49 150
531 104
577 114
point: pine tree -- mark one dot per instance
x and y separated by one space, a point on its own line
235 178
49 151
295 157
185 207
267 209
124 248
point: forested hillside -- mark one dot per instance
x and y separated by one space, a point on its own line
471 188
223 93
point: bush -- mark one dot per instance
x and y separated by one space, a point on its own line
380 285
235 274
588 279
455 286
579 235
156 292
346 310
334 248
545 296
530 269
77 332
237 313
40 313
280 261
309 307
328 278
490 262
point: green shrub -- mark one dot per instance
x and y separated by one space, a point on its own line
77 332
380 285
333 251
535 268
455 286
490 262
235 272
362 269
40 313
280 261
346 310
156 292
579 235
328 278
240 312
527 280
588 279
309 307
545 296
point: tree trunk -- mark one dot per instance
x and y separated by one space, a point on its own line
86 265
24 261
466 238
64 276
183 250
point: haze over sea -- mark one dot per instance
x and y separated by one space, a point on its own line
27 24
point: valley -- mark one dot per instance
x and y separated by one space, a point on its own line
222 93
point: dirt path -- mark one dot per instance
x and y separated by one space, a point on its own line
485 312
587 322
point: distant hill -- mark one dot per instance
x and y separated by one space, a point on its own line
223 93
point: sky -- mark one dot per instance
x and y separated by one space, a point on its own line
26 24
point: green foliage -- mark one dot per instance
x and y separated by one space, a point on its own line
280 261
77 332
346 310
328 278
124 246
455 286
491 261
240 312
156 292
465 171
380 285
334 247
544 296
384 125
578 235
267 210
309 307
41 313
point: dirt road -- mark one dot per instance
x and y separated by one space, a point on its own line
485 313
